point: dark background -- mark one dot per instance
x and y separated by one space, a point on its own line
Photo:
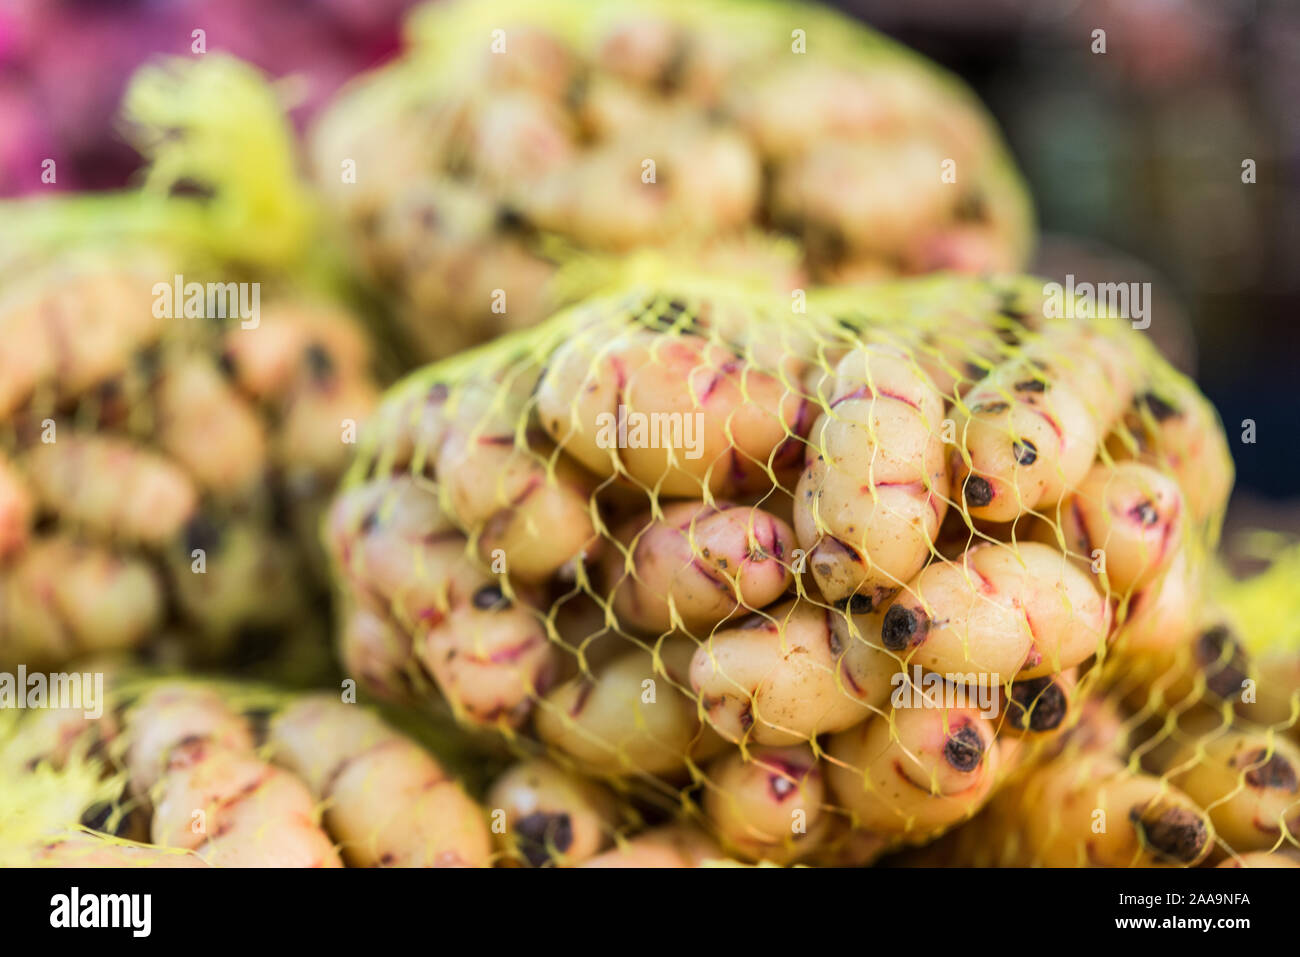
1133 156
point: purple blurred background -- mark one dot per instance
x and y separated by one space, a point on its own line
1134 156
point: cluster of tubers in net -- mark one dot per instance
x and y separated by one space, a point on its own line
1150 783
907 525
199 778
162 475
654 128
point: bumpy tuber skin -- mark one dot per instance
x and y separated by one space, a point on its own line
189 752
868 218
489 656
84 850
1148 822
16 510
1250 785
1025 438
629 717
871 500
1133 515
252 815
914 772
551 816
375 651
520 502
206 426
1162 616
707 180
309 365
769 805
738 417
387 802
168 714
672 846
789 674
702 563
998 613
75 329
1175 429
112 487
62 598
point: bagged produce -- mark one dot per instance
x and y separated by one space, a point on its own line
179 384
494 171
828 574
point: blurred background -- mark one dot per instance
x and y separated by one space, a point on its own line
1134 156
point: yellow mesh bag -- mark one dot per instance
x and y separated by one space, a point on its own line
820 577
178 386
1188 753
179 772
768 139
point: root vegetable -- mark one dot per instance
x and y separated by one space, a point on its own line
112 487
915 771
387 802
1147 822
1001 612
236 811
673 846
791 673
730 419
1248 783
871 500
698 565
1133 514
88 851
1172 427
489 655
208 428
1025 436
767 805
62 598
551 816
628 718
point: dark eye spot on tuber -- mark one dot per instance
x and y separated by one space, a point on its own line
1026 452
1175 833
1144 513
964 749
1031 385
1277 772
903 627
540 831
858 604
1041 701
489 597
978 491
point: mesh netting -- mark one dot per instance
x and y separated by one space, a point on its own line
178 391
826 579
774 140
182 773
